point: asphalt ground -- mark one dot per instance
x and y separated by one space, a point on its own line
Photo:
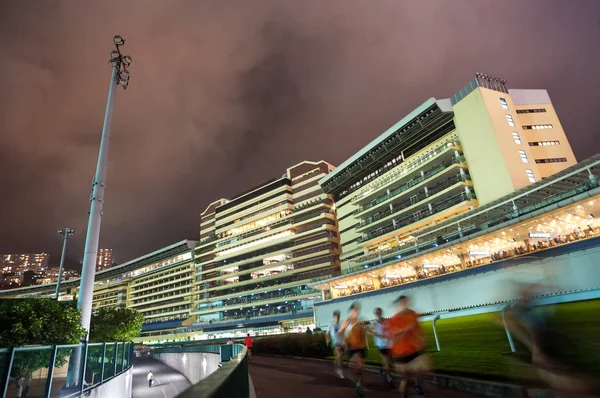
167 383
275 377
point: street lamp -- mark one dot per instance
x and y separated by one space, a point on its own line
120 77
65 233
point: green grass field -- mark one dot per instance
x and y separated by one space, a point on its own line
476 346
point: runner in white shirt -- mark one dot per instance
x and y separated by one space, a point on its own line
337 340
380 335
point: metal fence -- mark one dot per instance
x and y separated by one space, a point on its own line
61 370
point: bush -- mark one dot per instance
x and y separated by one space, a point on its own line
297 345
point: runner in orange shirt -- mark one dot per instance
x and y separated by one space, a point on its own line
408 346
356 339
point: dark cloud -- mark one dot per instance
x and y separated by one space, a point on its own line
225 95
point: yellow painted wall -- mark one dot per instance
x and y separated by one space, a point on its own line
556 133
485 149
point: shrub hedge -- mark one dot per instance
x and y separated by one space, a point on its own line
298 345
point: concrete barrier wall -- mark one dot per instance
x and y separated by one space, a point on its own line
195 366
118 387
561 274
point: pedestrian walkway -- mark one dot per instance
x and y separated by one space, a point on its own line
291 378
168 382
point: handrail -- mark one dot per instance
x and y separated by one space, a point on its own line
230 381
93 359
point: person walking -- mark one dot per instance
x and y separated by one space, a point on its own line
408 345
383 343
150 379
249 345
308 331
356 339
336 339
230 342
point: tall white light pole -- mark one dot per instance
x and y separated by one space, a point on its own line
65 233
120 77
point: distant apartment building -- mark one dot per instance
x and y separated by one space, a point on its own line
17 264
51 275
442 159
104 259
258 252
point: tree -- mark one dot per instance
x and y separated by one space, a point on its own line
37 322
115 324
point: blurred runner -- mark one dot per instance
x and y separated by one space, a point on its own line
408 346
545 343
383 343
356 339
249 345
337 341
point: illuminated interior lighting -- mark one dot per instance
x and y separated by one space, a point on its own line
256 243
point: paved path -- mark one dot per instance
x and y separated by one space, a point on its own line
168 382
290 378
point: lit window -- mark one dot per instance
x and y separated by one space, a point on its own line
544 143
530 175
523 156
510 120
537 127
504 103
516 138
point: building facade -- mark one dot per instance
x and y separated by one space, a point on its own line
19 263
104 259
258 252
444 158
547 233
158 284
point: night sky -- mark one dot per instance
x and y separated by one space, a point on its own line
227 94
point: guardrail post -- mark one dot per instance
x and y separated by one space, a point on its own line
435 335
115 359
51 372
123 359
8 370
83 367
510 339
103 362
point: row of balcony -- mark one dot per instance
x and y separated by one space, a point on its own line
408 220
273 282
415 199
257 298
250 314
436 170
393 175
260 267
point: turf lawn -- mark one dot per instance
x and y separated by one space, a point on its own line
476 346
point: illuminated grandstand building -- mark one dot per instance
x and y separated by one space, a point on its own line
444 158
560 210
258 252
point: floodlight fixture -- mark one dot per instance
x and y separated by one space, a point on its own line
114 54
119 41
127 60
113 63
